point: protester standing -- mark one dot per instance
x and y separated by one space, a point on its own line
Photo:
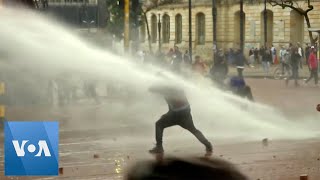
266 60
313 63
295 62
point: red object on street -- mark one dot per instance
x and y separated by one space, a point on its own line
304 177
61 170
276 60
318 107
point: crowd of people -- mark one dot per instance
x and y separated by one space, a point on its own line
181 63
290 58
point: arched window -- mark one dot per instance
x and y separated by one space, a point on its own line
269 28
178 33
237 27
154 28
166 28
200 28
296 27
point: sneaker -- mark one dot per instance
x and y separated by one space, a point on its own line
287 82
209 151
156 150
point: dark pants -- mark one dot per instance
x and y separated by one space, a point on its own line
245 92
240 70
256 59
182 118
295 76
313 74
286 67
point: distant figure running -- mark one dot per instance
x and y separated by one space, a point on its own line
178 114
238 86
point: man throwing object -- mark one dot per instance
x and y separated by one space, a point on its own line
179 114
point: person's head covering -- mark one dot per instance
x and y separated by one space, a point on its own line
237 82
312 47
186 168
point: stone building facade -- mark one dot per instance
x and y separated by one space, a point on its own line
283 25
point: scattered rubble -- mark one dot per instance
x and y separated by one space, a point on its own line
61 170
304 177
265 142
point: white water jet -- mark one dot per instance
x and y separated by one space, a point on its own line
34 47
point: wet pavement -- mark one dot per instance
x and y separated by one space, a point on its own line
258 72
104 154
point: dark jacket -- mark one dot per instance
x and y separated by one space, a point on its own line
256 52
240 60
251 52
219 66
267 57
295 60
307 51
262 51
177 58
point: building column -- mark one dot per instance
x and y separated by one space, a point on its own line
126 25
265 21
241 26
190 30
214 28
159 32
2 106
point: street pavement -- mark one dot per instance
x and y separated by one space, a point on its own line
104 153
257 71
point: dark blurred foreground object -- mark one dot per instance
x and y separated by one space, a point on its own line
25 3
31 4
185 169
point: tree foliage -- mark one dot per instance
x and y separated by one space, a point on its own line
116 13
116 18
150 5
296 6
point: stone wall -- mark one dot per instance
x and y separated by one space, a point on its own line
284 26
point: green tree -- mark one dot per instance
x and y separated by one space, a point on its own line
115 24
150 5
294 5
116 13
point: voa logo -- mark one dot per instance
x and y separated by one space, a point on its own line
31 148
42 148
